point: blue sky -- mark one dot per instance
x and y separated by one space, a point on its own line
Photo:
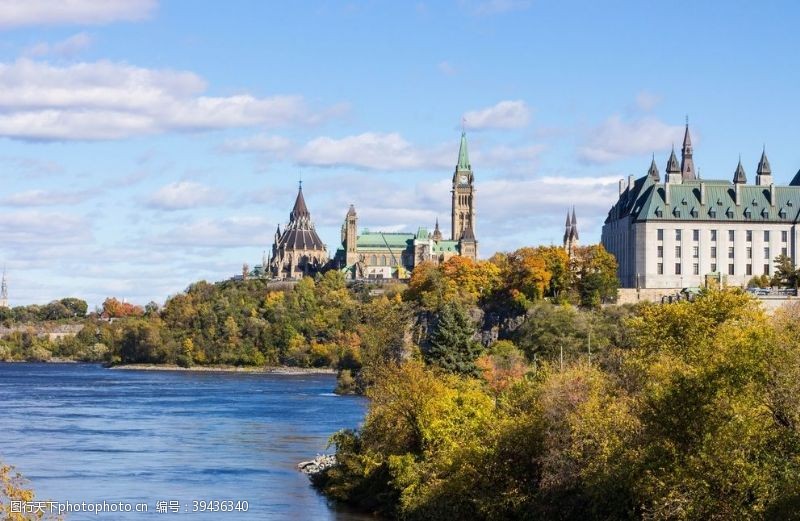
147 144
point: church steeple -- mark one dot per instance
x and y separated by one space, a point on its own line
437 233
3 290
571 233
687 163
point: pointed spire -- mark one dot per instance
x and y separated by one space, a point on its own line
574 224
672 163
437 233
739 177
763 164
463 155
687 163
300 209
653 171
351 211
567 228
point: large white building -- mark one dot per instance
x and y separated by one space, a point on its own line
677 233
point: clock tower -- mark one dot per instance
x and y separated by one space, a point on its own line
463 214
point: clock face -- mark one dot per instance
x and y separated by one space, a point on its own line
463 179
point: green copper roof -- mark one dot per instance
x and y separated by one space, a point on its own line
463 155
646 201
445 246
374 240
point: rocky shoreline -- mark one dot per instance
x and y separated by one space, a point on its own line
317 465
226 369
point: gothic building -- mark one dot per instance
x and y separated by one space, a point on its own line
571 234
298 250
384 255
686 230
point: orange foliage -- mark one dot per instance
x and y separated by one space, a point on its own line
113 308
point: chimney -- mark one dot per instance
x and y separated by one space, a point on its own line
621 186
702 194
630 182
772 194
737 194
666 193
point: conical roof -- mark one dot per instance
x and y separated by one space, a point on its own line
300 234
739 177
300 209
763 165
672 164
351 211
653 171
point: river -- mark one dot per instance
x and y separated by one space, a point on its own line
83 433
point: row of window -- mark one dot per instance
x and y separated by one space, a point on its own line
731 252
731 235
696 269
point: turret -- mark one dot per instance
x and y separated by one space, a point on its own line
653 171
673 169
764 171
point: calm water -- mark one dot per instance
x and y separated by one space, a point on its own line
84 433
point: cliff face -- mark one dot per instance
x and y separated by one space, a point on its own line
51 331
490 326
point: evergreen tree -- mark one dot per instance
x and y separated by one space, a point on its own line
452 346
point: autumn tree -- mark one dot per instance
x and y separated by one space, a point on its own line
596 272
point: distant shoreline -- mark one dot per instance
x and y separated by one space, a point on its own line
226 369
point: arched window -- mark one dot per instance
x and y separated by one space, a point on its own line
374 260
383 260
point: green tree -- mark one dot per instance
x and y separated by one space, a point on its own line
452 346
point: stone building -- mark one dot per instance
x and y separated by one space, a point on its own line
383 255
298 250
687 230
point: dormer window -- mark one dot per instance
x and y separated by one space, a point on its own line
659 212
782 213
712 213
788 203
747 213
719 202
694 212
764 213
683 202
676 212
755 203
729 213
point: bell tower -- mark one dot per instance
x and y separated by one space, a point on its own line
463 208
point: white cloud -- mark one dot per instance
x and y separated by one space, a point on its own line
257 143
32 227
617 138
45 198
182 195
65 48
107 100
232 232
21 13
647 101
371 151
505 114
